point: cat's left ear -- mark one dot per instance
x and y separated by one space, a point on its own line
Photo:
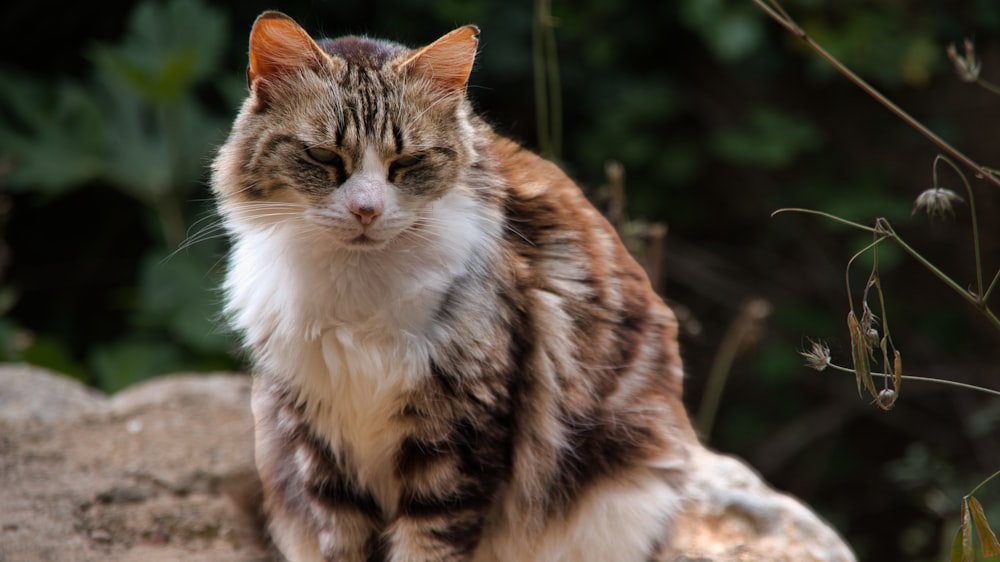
447 62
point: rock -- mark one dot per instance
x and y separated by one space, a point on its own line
163 471
30 393
731 514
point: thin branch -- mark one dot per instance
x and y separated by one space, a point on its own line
983 483
987 85
883 227
993 285
825 215
972 299
541 84
789 24
975 222
847 271
923 379
554 88
741 330
548 89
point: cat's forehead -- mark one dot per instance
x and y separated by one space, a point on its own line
361 51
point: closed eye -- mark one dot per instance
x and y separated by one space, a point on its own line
324 156
403 162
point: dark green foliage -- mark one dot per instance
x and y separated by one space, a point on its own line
769 138
137 124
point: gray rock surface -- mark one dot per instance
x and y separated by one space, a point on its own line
733 515
163 471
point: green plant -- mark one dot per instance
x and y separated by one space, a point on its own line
864 328
139 125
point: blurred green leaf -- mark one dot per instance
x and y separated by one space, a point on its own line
678 162
775 364
169 47
136 124
866 203
8 298
124 363
983 422
876 43
889 256
178 293
733 30
158 151
987 538
961 547
53 134
769 138
162 133
52 354
10 340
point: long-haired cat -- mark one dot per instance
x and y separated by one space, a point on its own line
455 356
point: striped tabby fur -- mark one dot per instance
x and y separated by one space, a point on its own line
456 358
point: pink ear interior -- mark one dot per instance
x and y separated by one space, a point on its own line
278 46
447 61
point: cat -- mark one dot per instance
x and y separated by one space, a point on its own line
455 356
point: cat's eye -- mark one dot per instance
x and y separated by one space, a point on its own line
402 163
406 161
324 156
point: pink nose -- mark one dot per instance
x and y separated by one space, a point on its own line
366 213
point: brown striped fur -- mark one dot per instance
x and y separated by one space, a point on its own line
456 358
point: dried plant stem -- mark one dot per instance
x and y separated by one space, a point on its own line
883 227
847 270
617 202
987 85
975 221
975 300
743 329
548 89
857 225
983 483
778 14
993 285
923 379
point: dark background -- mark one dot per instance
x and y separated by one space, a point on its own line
111 256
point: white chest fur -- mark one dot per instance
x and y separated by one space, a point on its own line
351 387
346 330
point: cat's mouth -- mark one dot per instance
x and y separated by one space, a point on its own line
364 242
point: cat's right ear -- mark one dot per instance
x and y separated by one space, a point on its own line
280 48
448 61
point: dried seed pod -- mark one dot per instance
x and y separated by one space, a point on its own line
861 353
886 398
936 201
897 371
817 356
967 66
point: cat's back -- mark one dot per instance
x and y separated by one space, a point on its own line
550 221
610 340
601 433
564 251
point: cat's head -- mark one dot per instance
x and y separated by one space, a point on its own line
350 141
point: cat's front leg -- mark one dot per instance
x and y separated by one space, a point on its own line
436 528
315 511
322 536
346 519
450 467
